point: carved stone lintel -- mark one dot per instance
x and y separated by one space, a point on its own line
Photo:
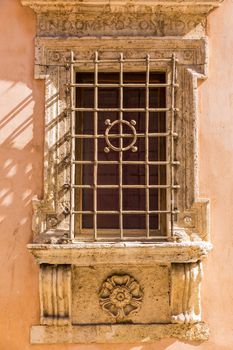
132 6
121 24
121 17
185 292
55 294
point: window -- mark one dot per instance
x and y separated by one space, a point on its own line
107 232
123 149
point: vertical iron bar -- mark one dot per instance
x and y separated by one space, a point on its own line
160 226
121 152
95 144
172 140
147 170
72 148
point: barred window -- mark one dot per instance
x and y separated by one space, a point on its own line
122 167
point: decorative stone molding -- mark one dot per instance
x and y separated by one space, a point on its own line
121 24
55 294
119 333
129 6
121 18
126 278
185 292
120 296
83 254
195 221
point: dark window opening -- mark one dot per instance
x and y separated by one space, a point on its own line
126 188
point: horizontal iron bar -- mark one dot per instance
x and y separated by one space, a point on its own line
118 60
115 136
127 212
105 162
83 109
111 85
119 238
126 186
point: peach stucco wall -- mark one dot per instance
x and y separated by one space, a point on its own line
21 137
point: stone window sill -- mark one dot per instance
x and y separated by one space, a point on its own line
85 254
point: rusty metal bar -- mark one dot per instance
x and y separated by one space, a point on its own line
116 136
130 162
95 145
121 147
128 237
147 167
72 147
84 109
125 60
128 212
126 186
114 85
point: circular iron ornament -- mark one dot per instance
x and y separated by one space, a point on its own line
110 125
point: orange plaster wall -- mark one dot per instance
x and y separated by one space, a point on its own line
21 138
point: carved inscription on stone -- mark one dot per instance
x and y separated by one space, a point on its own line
101 23
120 296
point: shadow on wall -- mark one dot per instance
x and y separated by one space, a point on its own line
21 122
21 144
20 170
16 170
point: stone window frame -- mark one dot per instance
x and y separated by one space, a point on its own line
50 213
134 28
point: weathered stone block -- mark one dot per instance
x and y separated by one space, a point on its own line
87 283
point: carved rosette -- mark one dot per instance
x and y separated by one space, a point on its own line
120 296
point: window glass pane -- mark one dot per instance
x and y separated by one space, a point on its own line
107 221
108 174
134 222
133 174
134 199
87 221
87 199
108 199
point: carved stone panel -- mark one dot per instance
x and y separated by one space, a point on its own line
143 293
121 24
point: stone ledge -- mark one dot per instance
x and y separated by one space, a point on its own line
86 254
118 333
203 6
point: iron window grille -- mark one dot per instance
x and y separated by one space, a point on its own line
120 137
